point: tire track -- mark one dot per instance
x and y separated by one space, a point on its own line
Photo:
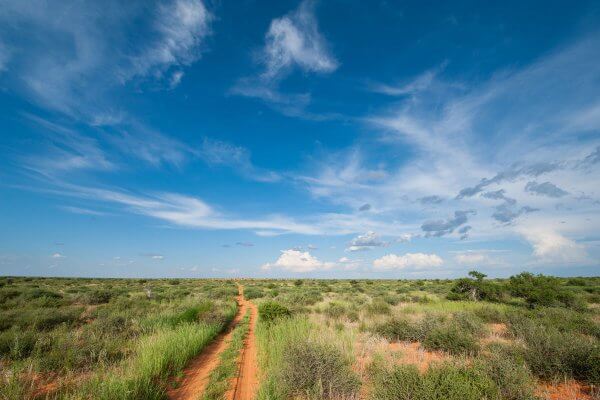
197 373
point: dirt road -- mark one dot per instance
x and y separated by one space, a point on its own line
196 374
245 385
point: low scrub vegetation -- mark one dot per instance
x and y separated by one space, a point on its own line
104 339
468 338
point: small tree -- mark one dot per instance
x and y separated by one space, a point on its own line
475 288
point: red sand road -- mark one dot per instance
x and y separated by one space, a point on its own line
245 385
196 374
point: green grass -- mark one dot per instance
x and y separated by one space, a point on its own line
88 334
156 358
299 359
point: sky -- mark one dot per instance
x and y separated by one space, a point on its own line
326 139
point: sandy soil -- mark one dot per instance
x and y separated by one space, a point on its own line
569 390
196 375
245 385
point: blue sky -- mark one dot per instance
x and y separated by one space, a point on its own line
314 139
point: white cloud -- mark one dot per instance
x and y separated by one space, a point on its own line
292 41
552 247
365 242
297 261
215 152
181 26
58 255
408 261
295 39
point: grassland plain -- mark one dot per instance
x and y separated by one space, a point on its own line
526 337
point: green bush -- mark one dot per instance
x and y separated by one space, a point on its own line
253 293
468 323
507 368
490 314
543 290
379 307
398 329
317 370
335 310
554 354
443 382
475 289
451 339
98 297
269 311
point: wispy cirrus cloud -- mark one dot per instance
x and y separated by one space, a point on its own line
216 152
292 41
179 29
85 50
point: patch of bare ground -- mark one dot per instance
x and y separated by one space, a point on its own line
368 346
245 385
568 390
498 333
196 376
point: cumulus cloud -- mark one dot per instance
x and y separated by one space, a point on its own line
552 247
58 255
417 261
476 258
297 261
365 242
439 228
545 189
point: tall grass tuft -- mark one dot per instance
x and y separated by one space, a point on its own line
144 375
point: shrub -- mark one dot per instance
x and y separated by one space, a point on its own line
335 310
269 311
506 367
253 293
469 323
542 290
317 370
451 339
46 319
490 314
378 306
553 354
398 329
475 289
98 297
443 382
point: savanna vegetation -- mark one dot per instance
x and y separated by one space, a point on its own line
523 338
104 339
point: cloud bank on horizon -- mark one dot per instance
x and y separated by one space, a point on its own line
183 138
